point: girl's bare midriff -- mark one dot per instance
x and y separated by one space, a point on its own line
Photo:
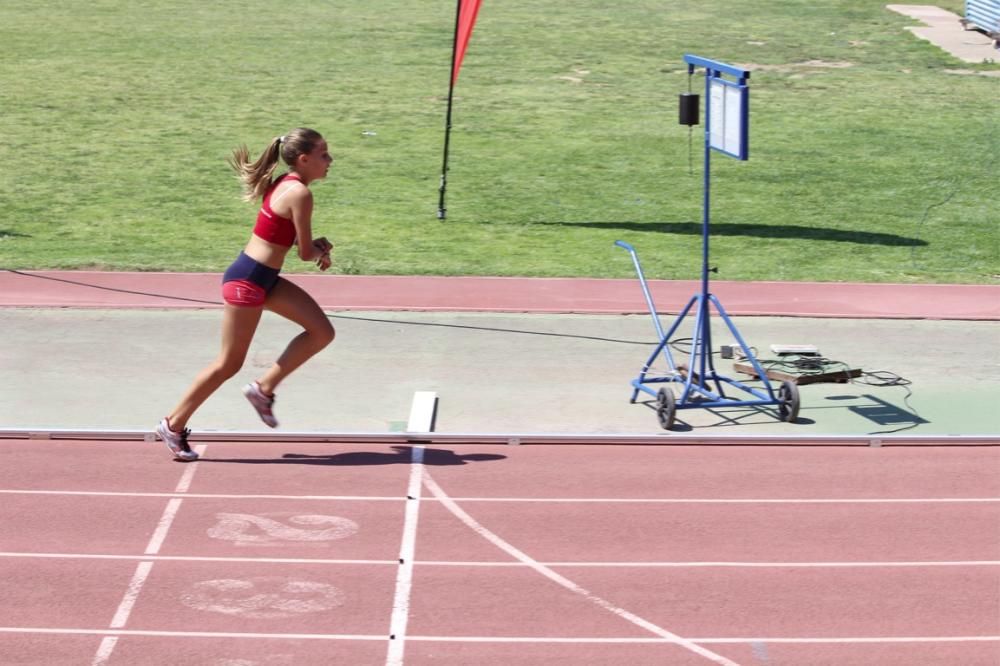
269 254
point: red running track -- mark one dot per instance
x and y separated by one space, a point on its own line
97 289
296 553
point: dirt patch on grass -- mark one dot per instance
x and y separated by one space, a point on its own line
577 76
806 67
972 72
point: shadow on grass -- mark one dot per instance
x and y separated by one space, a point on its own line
754 230
401 456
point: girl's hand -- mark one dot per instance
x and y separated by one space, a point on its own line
324 261
323 245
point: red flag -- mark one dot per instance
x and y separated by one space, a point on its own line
467 10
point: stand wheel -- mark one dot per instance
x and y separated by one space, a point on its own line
666 408
788 402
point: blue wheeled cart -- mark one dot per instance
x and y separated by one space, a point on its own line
696 379
698 382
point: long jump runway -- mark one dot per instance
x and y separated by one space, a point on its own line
281 553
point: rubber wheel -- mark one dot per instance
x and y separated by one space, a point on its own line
666 408
788 402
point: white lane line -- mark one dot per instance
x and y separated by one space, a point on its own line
539 500
696 565
404 576
87 493
505 563
713 641
189 634
143 569
173 506
128 601
471 522
735 500
860 640
166 520
104 651
185 483
197 558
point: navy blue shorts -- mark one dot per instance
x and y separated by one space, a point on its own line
247 282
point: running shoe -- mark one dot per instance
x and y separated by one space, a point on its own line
262 403
177 442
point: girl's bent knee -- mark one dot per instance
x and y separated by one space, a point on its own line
324 335
227 368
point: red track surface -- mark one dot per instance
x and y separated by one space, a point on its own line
341 292
289 553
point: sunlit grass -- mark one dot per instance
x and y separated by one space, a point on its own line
869 159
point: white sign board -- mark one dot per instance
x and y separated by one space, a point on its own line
728 118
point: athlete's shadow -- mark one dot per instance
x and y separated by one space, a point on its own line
401 455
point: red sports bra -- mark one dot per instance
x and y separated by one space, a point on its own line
272 227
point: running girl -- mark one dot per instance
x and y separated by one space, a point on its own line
252 282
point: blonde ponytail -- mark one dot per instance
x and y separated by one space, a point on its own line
258 176
255 176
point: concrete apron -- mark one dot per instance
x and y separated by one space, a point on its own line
492 373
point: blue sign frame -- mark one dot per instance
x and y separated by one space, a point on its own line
727 107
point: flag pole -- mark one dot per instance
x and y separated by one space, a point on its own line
447 129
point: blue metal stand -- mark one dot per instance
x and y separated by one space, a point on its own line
699 377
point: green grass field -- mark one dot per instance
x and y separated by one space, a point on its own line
870 158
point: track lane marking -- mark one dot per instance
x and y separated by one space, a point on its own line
697 565
861 640
487 563
131 594
541 500
185 483
479 529
99 493
104 650
163 526
197 558
404 575
143 569
735 500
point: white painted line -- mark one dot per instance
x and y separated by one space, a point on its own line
322 498
189 634
166 520
422 412
696 565
697 500
711 641
196 558
143 569
499 639
505 563
128 601
185 483
104 651
539 500
404 576
471 522
857 640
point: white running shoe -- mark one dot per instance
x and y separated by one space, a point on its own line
262 403
177 442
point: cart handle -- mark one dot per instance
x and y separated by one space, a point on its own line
645 287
